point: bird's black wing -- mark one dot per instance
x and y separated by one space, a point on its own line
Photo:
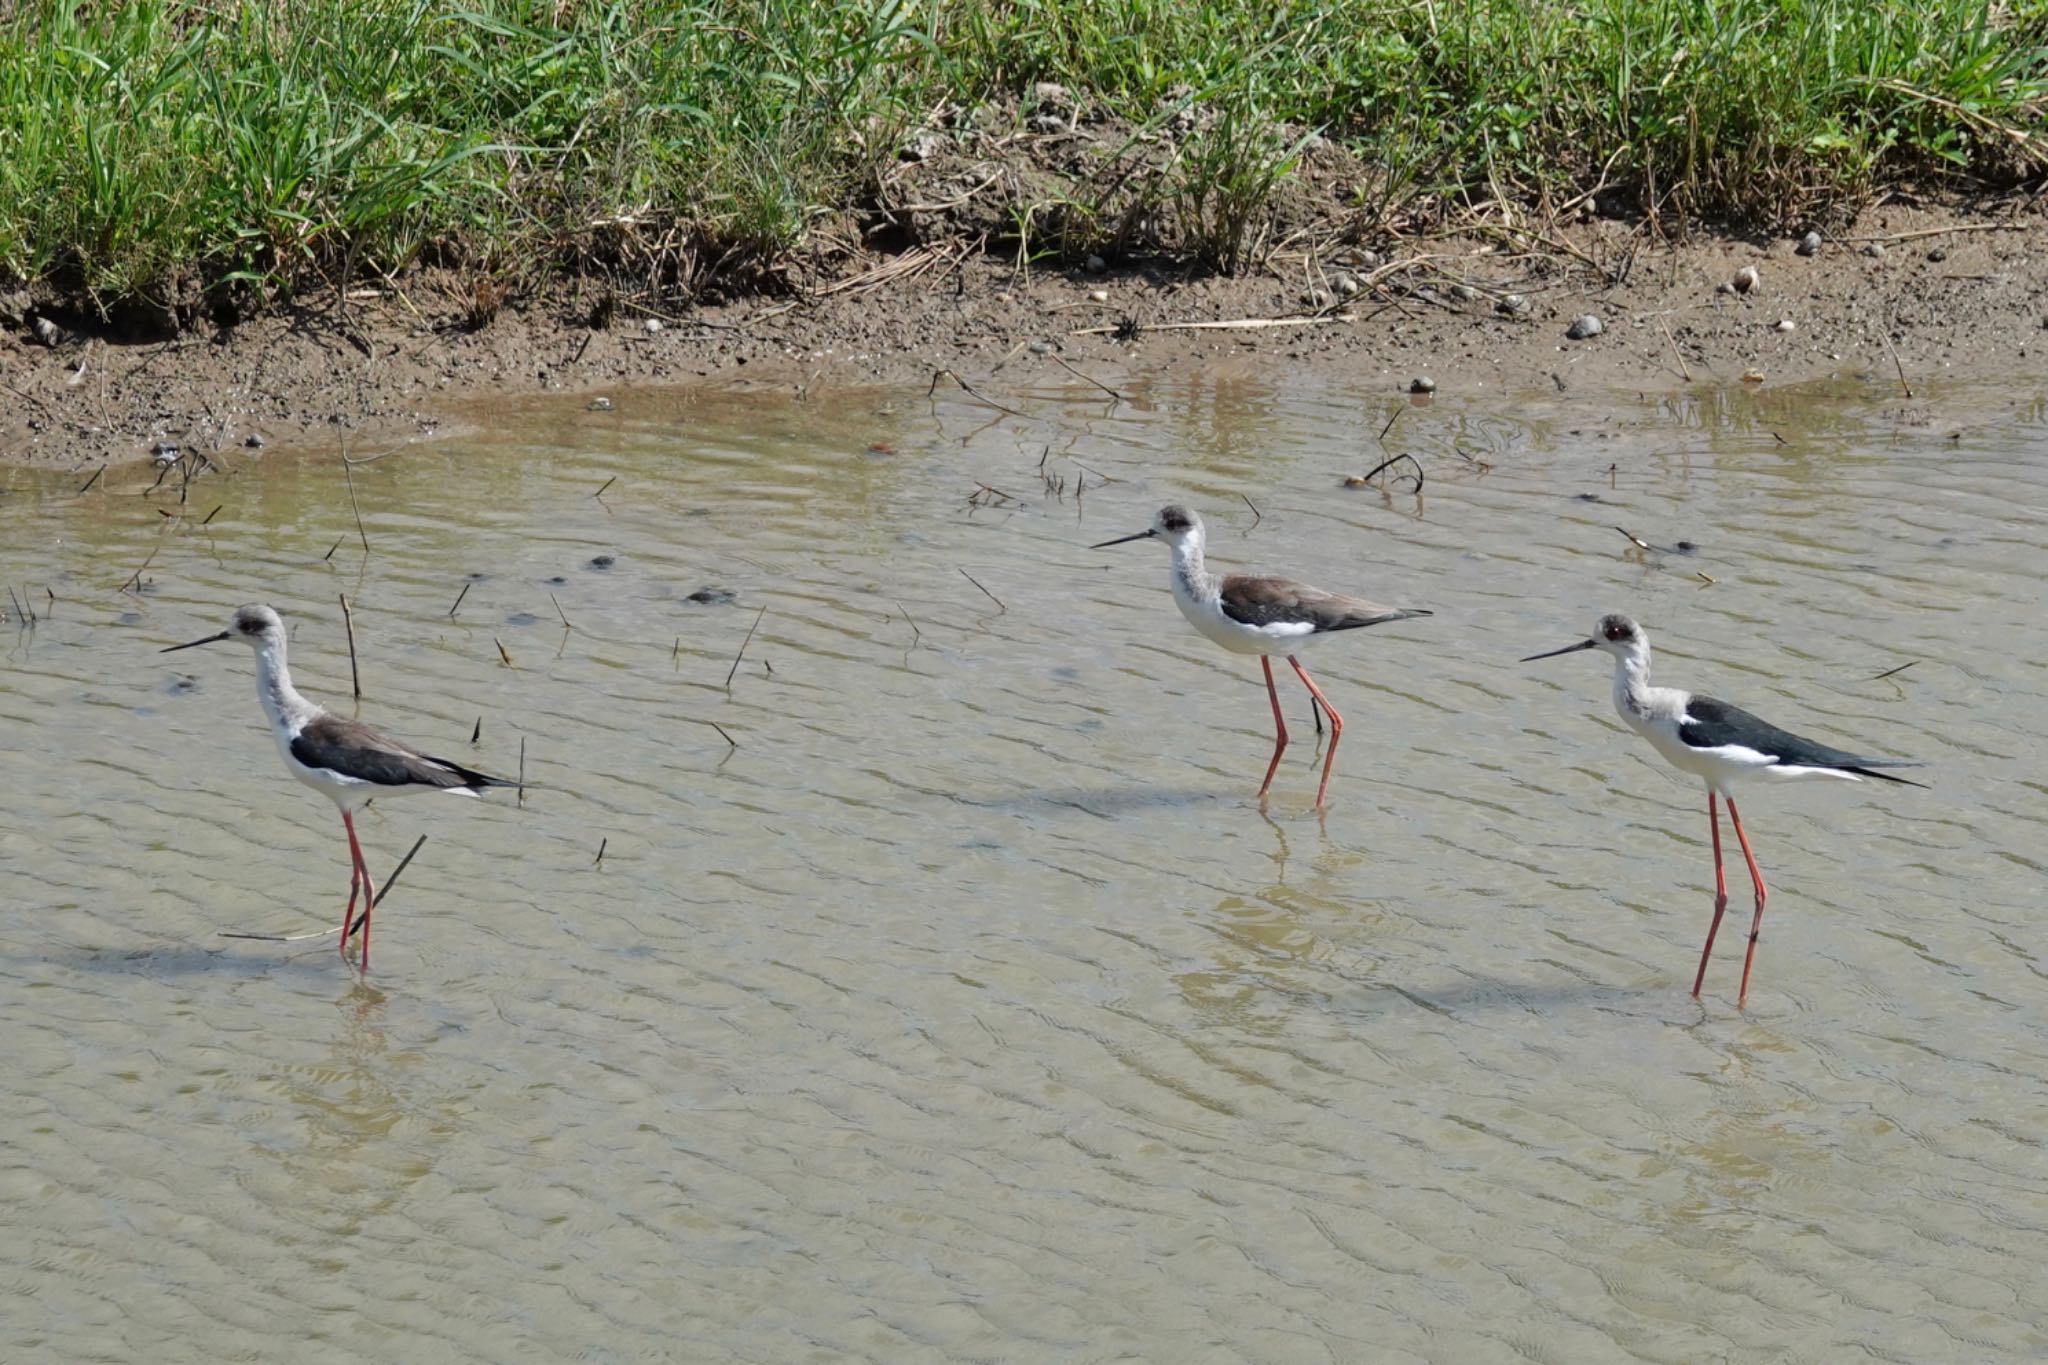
353 749
1710 723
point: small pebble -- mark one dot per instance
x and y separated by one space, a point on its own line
47 332
1345 283
599 404
1465 293
711 596
1752 376
253 441
1095 265
1746 279
1511 305
603 562
1786 324
1587 326
1422 383
1098 296
1809 245
1316 298
1938 255
1874 249
653 325
1354 481
1041 348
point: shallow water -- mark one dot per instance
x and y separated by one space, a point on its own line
970 1007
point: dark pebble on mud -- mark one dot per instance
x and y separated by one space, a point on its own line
253 441
522 618
1585 497
603 562
557 581
711 597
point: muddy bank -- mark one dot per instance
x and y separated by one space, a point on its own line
1953 292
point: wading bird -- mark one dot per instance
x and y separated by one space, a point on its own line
1252 614
344 760
1722 745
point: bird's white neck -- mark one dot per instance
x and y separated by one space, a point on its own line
1190 574
1632 682
281 701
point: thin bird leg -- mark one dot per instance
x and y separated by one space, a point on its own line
1756 926
369 891
1720 891
355 882
1336 728
1279 725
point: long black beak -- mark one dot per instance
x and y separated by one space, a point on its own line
1146 534
1568 649
189 644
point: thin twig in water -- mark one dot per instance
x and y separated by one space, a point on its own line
349 624
93 480
743 648
352 501
984 591
477 731
501 651
1891 671
214 513
458 601
332 548
1059 361
1382 437
559 612
937 375
915 633
521 798
1392 460
1257 516
598 861
135 581
1639 544
607 484
382 891
729 740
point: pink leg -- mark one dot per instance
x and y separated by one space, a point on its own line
1720 891
369 892
1756 926
1279 726
1336 727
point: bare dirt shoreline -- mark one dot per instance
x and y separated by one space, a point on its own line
1954 292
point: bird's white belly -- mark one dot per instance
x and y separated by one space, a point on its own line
1718 767
1206 615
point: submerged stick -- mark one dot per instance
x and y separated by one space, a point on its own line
599 860
521 799
559 612
743 649
349 624
984 591
355 924
91 481
346 473
606 484
458 601
1889 672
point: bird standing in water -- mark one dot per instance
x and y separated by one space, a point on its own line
344 760
1722 745
1254 614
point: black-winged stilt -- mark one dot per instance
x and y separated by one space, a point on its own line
1722 745
344 760
1253 614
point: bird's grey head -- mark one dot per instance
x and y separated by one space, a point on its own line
1174 524
1615 633
258 625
